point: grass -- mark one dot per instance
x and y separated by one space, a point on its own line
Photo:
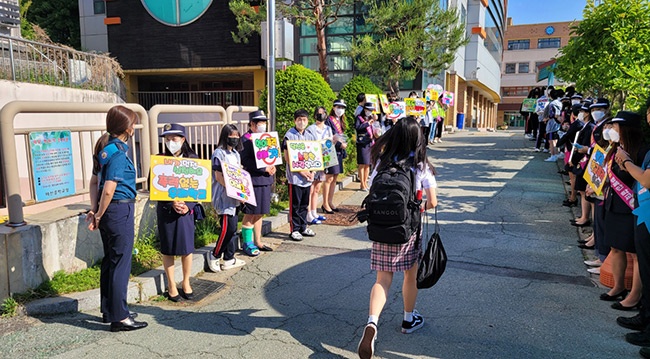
146 254
9 308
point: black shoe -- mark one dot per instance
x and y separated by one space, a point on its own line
645 352
619 306
611 298
583 241
127 325
132 315
326 211
568 203
188 296
634 323
177 298
641 339
335 209
585 246
586 224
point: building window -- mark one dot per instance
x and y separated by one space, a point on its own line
523 67
99 7
343 25
339 63
548 43
339 43
308 45
515 91
310 62
537 65
519 44
511 68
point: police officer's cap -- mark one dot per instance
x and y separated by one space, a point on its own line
585 105
600 103
627 118
369 106
173 129
340 103
577 96
257 116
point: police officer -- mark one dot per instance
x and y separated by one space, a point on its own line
112 194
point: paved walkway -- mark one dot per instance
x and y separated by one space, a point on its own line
515 286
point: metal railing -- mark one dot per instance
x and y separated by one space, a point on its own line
28 61
148 99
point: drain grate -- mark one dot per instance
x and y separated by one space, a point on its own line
201 289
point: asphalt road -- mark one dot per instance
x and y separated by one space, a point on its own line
515 286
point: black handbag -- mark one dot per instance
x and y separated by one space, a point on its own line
199 212
434 261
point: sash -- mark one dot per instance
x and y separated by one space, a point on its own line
621 189
368 130
335 121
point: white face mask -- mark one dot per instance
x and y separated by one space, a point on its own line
614 136
368 113
173 146
339 112
575 102
606 135
261 128
581 116
598 115
300 126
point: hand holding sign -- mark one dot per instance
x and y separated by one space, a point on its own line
267 149
238 183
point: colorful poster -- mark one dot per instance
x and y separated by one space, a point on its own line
432 95
595 173
528 105
396 110
447 98
267 149
374 99
305 156
383 100
238 183
329 153
180 179
415 106
540 104
52 165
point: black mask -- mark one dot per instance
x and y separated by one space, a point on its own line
321 117
232 142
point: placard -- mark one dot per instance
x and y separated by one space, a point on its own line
383 100
180 179
329 153
52 165
396 110
540 104
431 95
374 100
447 98
595 173
415 106
238 183
305 156
528 105
266 147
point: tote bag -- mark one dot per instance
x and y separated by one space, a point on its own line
434 261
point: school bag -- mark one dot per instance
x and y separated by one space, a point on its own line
392 207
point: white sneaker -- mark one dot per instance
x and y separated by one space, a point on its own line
594 270
213 262
296 236
440 140
545 150
233 263
594 263
528 136
537 149
560 156
366 347
308 233
553 158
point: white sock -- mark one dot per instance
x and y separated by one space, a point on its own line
408 316
314 214
309 217
373 319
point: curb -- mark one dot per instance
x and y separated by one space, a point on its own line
151 283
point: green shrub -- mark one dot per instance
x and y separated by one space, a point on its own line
9 308
349 92
146 254
207 230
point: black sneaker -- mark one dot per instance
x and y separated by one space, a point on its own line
641 339
634 323
366 346
415 324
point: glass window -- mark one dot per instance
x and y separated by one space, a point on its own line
511 68
339 63
339 79
361 25
519 44
444 4
346 10
307 30
551 42
310 62
514 91
99 7
338 43
343 25
308 45
523 67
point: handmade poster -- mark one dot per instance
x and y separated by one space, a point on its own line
540 104
52 165
305 156
180 179
447 98
432 95
396 110
374 100
239 184
415 106
436 87
383 100
528 105
329 153
595 173
267 149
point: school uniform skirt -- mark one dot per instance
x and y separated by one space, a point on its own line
263 199
619 231
176 232
395 257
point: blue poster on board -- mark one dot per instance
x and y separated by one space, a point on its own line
52 164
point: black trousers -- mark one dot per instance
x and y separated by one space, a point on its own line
298 203
425 132
642 244
439 125
227 242
541 135
117 231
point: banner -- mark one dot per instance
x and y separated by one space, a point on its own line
329 153
528 105
448 98
238 183
396 110
415 106
374 99
595 173
266 147
52 165
180 179
305 156
383 100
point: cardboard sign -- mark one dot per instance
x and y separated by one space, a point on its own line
383 100
374 99
266 147
396 110
595 173
305 156
238 183
329 153
415 106
180 179
447 98
528 105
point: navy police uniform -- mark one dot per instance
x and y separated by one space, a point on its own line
117 229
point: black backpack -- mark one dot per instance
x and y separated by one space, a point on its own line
392 208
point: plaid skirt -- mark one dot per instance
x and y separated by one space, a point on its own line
395 257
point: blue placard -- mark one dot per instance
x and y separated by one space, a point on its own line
52 164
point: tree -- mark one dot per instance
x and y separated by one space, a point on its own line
59 19
609 51
407 36
319 13
26 27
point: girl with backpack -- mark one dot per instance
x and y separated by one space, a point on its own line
404 145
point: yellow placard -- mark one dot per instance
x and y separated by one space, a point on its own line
595 172
180 179
383 100
374 100
415 106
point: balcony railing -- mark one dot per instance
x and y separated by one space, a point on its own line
212 98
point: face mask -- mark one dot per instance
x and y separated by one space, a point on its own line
614 136
598 115
575 102
261 128
581 116
173 146
232 141
339 112
321 117
606 135
300 126
368 113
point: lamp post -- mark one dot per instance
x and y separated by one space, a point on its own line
270 62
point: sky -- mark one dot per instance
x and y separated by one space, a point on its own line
535 12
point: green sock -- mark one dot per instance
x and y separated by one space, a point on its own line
246 235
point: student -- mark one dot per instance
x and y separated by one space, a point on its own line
361 100
225 206
112 201
404 142
176 221
320 132
426 121
336 122
552 117
262 178
439 111
365 140
299 182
